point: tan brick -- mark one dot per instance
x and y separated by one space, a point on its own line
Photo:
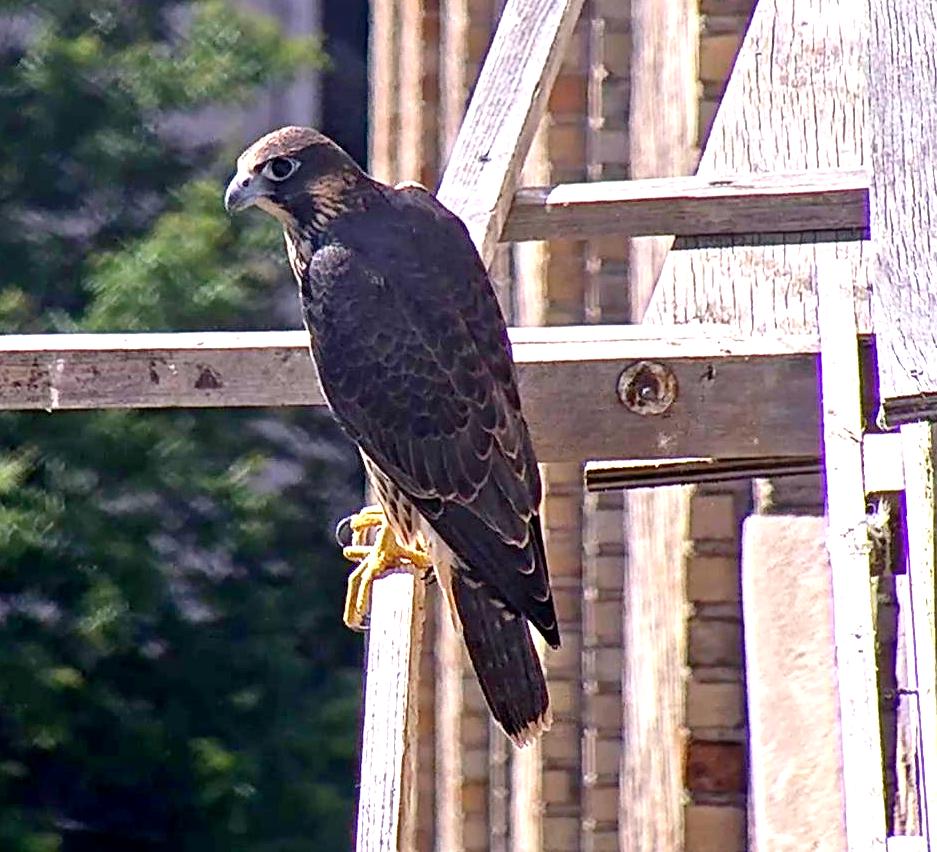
607 572
568 604
607 663
566 145
604 711
708 828
576 57
616 53
557 786
602 803
474 729
567 658
561 746
563 694
560 834
717 55
607 758
710 705
726 7
716 767
713 516
568 94
475 764
475 833
604 841
474 797
562 512
715 643
712 579
606 621
606 525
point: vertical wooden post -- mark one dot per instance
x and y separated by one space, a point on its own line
848 545
919 442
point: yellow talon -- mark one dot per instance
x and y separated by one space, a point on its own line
386 554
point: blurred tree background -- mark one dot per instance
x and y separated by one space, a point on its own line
174 674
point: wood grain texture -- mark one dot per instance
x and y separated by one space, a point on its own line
693 206
503 114
388 746
727 406
903 102
920 464
796 101
664 43
849 547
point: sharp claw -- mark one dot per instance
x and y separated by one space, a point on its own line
344 531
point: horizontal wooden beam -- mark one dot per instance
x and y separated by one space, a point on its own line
589 392
619 475
694 206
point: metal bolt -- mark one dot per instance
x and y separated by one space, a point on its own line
647 387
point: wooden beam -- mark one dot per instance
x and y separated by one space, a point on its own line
502 117
920 463
388 743
848 544
617 475
821 200
903 124
726 405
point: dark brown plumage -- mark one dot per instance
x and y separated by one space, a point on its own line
414 359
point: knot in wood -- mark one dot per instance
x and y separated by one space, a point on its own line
647 387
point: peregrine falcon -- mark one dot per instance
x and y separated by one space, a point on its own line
414 360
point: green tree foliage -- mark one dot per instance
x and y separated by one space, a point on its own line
173 672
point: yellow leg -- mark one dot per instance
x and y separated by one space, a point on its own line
384 555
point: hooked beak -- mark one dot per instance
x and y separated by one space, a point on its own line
242 192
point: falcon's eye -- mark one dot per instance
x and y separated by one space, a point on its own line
280 168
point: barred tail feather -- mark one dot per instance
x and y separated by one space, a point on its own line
505 660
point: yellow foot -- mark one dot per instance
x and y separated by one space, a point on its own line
374 560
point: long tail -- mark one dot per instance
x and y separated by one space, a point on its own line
504 659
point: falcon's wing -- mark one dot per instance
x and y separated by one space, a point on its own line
421 375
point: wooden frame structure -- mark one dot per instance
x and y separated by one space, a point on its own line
714 401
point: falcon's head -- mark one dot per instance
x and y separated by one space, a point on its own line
295 174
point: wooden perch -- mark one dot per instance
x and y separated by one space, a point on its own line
735 397
693 206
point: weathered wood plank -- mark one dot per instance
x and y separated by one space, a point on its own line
388 744
848 545
795 101
726 405
903 126
920 464
502 117
693 206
